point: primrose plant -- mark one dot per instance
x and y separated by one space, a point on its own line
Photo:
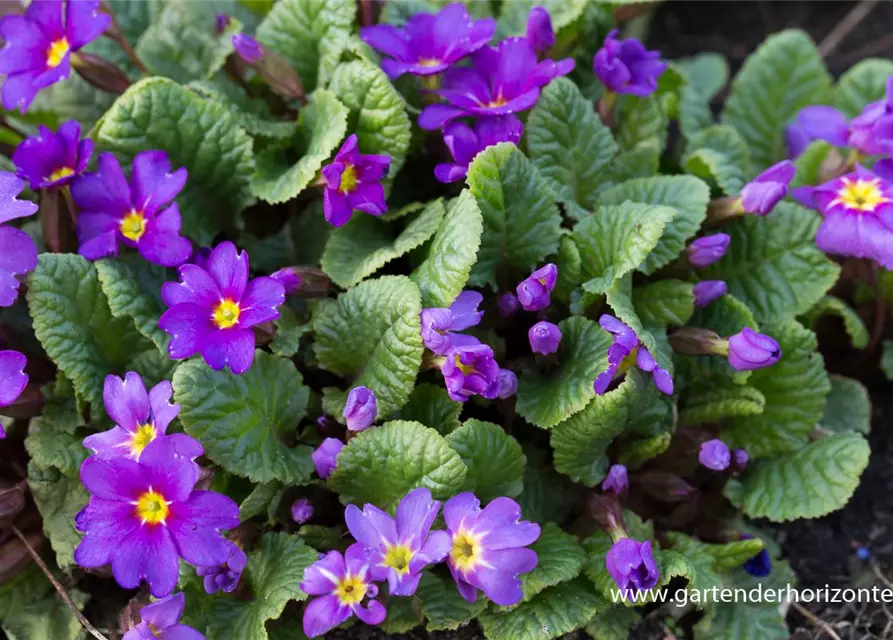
526 333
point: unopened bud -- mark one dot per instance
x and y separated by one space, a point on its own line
274 70
14 555
304 281
100 73
12 501
607 513
698 342
665 486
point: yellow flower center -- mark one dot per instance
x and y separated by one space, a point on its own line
57 52
61 172
627 362
466 550
862 195
428 62
348 179
152 508
464 368
133 225
145 434
498 101
398 557
226 314
350 590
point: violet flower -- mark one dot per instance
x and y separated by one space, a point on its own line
141 214
533 291
342 583
761 194
465 142
706 291
871 132
616 481
507 305
488 547
18 255
212 310
469 369
361 409
750 350
40 44
399 548
544 338
247 48
631 565
439 325
301 510
508 384
160 619
143 516
288 278
626 343
759 565
740 457
714 454
817 122
502 80
429 43
540 33
13 379
353 182
625 66
53 159
706 250
325 457
224 577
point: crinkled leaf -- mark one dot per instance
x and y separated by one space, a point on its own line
494 459
58 498
261 498
810 164
848 407
707 72
852 321
718 154
49 618
547 495
132 287
636 163
252 114
570 268
615 623
289 330
713 403
51 440
404 614
695 114
664 303
559 558
442 604
863 83
723 557
433 407
641 123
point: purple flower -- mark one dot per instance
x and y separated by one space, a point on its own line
544 338
708 249
353 181
224 577
325 457
429 43
139 417
40 43
616 480
502 80
741 458
759 565
361 409
247 48
141 214
221 22
400 548
13 379
301 510
706 291
762 193
871 132
53 159
533 291
10 206
343 583
18 255
488 547
508 305
714 454
143 516
626 343
465 143
508 383
751 350
288 278
438 324
212 310
625 66
160 620
469 369
631 565
816 122
540 34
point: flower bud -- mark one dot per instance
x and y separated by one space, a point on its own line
12 501
301 510
697 342
544 338
303 281
247 48
714 454
607 513
508 305
508 383
631 565
361 409
325 457
751 350
533 291
665 486
289 279
765 191
100 73
708 249
741 458
706 291
274 70
540 33
616 481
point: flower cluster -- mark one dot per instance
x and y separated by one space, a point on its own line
626 350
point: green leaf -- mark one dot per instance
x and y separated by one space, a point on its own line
707 72
852 321
453 251
50 618
686 194
73 99
377 111
723 557
365 244
810 163
583 354
404 614
51 441
863 83
372 334
560 558
785 74
494 459
695 114
442 604
132 287
289 330
58 498
261 499
547 495
242 421
718 154
274 571
433 407
252 114
18 591
321 126
773 265
713 403
641 123
203 136
817 479
617 240
521 221
310 35
637 163
615 623
568 143
381 465
664 303
848 407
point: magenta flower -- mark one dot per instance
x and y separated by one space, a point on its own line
616 480
488 547
429 43
469 369
625 66
342 583
361 409
143 516
631 565
353 181
708 249
626 343
40 44
53 159
544 338
247 48
399 548
540 33
508 305
212 310
301 510
502 80
871 132
18 255
13 379
706 291
508 384
288 278
751 350
533 291
439 325
160 620
761 194
817 122
465 143
714 454
224 577
325 457
141 214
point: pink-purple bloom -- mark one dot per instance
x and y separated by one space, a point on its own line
544 337
761 194
361 408
502 80
161 619
40 44
301 510
140 214
631 564
343 584
708 249
143 516
325 457
470 369
247 48
751 350
816 122
626 66
439 326
213 309
871 132
616 481
13 379
488 547
707 291
18 254
465 142
626 343
288 278
399 548
508 383
53 159
533 291
353 182
715 454
429 43
508 305
540 33
224 577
